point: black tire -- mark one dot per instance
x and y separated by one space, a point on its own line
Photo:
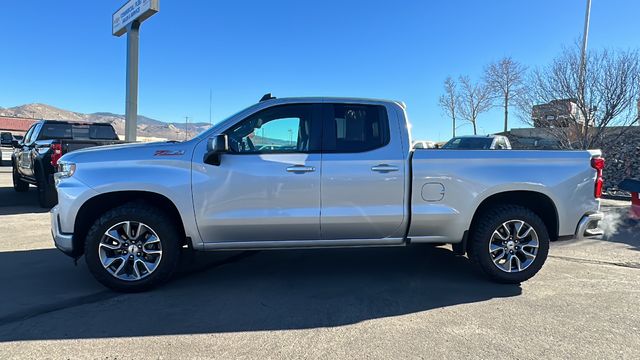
482 233
163 225
18 184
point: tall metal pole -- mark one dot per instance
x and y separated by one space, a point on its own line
583 66
583 54
131 108
585 35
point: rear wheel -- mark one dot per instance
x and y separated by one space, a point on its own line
132 248
18 184
510 243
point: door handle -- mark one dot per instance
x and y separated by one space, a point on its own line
384 168
300 169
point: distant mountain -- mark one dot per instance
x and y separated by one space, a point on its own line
147 127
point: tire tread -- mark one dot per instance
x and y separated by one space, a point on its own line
485 226
170 247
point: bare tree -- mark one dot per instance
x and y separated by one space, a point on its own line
505 79
449 101
578 114
475 99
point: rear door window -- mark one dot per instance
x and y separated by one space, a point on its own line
351 128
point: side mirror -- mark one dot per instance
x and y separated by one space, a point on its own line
216 146
15 143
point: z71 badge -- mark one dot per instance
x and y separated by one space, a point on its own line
169 153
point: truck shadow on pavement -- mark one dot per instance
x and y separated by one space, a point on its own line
12 202
238 292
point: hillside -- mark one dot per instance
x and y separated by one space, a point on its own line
147 127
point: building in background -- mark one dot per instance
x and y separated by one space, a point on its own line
15 125
557 113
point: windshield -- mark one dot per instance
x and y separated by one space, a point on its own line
470 143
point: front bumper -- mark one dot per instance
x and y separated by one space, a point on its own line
588 226
63 241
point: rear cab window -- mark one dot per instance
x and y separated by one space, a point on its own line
55 131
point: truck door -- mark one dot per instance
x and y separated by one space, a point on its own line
267 188
363 173
23 153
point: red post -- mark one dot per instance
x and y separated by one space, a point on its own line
635 205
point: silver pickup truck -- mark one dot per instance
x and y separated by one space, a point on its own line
315 173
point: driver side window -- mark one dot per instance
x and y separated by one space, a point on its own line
27 137
280 129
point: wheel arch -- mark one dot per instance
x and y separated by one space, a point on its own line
93 208
541 204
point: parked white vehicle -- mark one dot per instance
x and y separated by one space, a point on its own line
421 144
478 142
314 173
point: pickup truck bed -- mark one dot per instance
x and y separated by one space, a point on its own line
317 172
449 185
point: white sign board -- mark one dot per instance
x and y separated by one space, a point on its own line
133 10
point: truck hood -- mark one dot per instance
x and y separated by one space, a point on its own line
132 151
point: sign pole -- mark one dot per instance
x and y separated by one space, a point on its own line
127 20
131 109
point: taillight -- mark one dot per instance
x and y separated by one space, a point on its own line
56 154
598 164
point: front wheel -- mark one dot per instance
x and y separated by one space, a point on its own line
132 248
510 243
18 184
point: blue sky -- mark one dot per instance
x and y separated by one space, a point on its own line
62 52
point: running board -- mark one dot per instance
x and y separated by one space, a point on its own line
301 244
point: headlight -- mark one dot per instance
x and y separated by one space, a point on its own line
65 170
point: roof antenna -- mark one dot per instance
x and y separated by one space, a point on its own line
266 97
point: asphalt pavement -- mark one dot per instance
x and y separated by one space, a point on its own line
413 302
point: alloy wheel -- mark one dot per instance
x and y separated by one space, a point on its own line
513 246
130 250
